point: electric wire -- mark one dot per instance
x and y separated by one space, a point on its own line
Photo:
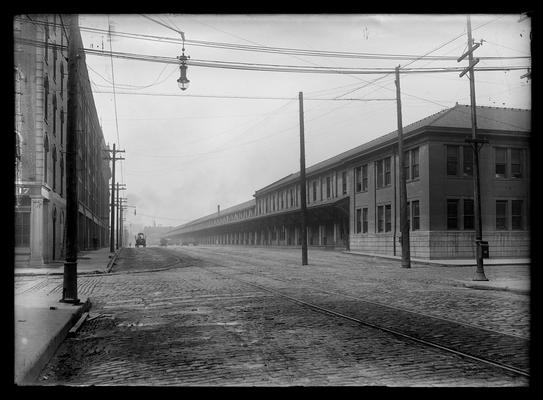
284 51
276 67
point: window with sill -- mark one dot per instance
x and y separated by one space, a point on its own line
452 214
501 214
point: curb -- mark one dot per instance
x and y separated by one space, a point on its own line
30 376
433 263
502 289
96 272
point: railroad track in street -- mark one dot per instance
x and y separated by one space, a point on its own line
449 336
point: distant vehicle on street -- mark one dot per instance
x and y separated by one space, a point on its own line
163 242
140 240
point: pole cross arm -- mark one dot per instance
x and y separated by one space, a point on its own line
469 67
467 53
527 75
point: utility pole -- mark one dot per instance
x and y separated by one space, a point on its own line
404 223
302 181
476 144
120 223
69 284
112 217
119 186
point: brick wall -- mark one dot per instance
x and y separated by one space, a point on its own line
446 244
502 244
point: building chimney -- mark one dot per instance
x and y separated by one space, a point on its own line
218 208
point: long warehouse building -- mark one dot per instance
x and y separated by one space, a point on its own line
353 198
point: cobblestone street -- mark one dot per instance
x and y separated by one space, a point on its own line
201 319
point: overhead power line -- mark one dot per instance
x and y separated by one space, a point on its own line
241 97
278 50
267 67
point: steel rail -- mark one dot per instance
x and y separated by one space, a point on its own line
379 304
382 328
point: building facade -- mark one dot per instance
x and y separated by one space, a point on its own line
40 55
353 198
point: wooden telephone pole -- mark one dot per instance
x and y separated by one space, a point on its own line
69 285
119 186
302 181
476 145
114 158
404 223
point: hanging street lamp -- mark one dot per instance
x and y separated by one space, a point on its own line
183 82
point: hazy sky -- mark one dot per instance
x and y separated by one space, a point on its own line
185 155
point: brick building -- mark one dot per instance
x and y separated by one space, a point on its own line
353 198
41 68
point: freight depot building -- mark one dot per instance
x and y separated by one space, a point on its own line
353 198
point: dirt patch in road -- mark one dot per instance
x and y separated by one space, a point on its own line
150 258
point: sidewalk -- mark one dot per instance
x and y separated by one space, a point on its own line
88 262
512 275
41 321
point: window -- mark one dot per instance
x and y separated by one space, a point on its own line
388 219
406 165
314 190
516 214
54 64
452 214
358 220
61 174
468 160
469 214
358 177
379 165
321 188
380 218
54 167
344 182
291 197
46 42
45 156
364 177
62 78
408 215
46 97
416 215
282 200
364 220
387 171
383 172
452 160
61 126
516 164
415 163
501 161
328 187
22 229
54 115
501 214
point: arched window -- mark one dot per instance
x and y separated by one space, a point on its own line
54 114
61 174
45 156
54 167
45 97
